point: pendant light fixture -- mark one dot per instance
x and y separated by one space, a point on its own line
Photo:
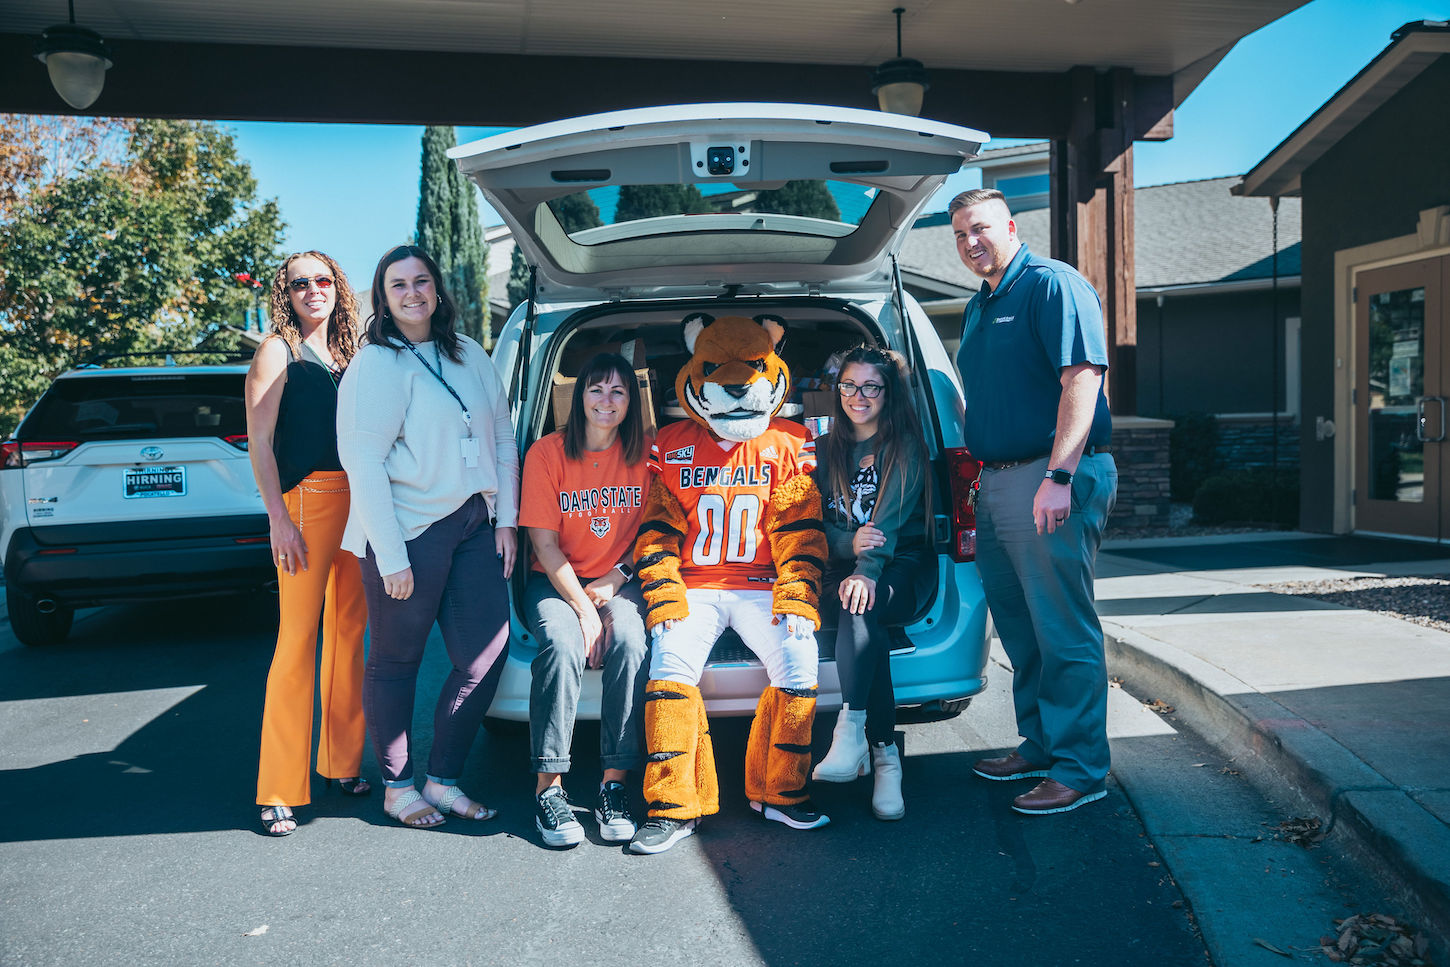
76 59
900 83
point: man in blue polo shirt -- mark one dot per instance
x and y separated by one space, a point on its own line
1032 359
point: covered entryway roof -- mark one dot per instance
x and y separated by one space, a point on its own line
1001 67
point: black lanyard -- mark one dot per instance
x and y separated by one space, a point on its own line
438 375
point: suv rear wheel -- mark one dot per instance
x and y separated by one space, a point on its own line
32 625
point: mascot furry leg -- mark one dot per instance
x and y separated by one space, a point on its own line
778 756
679 778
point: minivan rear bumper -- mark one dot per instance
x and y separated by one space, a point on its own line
82 565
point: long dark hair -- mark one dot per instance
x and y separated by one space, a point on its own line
383 331
342 325
899 438
631 431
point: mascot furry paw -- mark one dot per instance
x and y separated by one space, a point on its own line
732 537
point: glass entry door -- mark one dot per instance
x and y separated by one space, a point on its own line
1402 456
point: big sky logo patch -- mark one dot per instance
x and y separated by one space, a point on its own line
682 455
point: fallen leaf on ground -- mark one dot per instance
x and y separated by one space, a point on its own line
1270 947
1377 939
1160 706
1307 831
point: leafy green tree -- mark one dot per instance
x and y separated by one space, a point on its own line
649 201
153 249
450 231
575 213
810 198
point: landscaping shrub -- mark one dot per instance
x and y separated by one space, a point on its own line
1253 496
1192 453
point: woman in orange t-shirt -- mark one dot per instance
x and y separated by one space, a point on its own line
583 496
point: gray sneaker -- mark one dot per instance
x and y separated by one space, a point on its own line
659 834
615 823
555 819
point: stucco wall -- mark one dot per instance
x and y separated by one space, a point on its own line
1369 187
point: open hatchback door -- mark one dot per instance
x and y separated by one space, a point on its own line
682 200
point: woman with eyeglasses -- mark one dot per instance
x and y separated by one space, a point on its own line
425 436
871 472
291 399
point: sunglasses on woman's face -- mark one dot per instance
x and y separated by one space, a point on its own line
868 390
300 284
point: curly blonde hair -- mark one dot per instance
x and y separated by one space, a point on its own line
342 326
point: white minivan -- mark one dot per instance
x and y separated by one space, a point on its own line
631 220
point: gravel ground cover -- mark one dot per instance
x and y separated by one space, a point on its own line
1424 601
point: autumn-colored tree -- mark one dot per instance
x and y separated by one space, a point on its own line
154 245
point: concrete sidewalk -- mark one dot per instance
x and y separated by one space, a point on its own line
1347 710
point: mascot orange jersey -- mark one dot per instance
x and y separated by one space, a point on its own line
724 496
733 505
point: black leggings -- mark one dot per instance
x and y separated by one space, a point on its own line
863 645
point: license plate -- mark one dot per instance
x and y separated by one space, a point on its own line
155 482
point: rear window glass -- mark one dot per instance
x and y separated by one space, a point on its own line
139 407
831 201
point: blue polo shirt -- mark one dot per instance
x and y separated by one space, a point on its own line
1042 317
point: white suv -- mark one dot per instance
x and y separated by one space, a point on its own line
609 270
128 483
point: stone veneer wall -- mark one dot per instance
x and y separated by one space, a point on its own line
1248 442
1140 448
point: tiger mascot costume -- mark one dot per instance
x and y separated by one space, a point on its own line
731 538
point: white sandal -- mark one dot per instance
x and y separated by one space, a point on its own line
447 802
414 819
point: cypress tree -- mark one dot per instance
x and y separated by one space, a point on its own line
449 230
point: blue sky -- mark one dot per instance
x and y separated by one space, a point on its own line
352 190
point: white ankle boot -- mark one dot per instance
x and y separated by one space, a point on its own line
850 756
886 800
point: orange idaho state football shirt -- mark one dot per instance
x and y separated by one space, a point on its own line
594 503
725 494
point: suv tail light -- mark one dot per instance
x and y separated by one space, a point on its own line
238 440
14 454
962 472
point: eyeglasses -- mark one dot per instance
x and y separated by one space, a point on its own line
300 284
868 390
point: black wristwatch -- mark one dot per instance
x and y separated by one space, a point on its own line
1059 476
625 569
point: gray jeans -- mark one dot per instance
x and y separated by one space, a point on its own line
558 675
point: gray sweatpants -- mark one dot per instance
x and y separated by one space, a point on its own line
1039 588
558 675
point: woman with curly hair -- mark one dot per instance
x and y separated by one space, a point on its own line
291 395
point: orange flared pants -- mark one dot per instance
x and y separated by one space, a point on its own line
331 590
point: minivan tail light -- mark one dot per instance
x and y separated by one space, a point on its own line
14 454
962 472
238 440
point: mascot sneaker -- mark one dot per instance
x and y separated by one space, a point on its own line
659 834
615 823
797 816
555 819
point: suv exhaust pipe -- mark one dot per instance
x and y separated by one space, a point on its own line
46 605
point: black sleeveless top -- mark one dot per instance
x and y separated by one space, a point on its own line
305 439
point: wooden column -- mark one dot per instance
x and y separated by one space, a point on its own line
1092 212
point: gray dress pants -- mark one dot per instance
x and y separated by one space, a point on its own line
558 675
1039 588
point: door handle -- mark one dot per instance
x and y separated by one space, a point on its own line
1420 423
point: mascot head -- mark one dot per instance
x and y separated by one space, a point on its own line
734 382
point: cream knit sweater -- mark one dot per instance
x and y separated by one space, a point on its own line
398 433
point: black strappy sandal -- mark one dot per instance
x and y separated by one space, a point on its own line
356 786
280 815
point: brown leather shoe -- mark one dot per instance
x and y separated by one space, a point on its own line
1051 796
1009 767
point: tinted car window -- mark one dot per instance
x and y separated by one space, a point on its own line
139 407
